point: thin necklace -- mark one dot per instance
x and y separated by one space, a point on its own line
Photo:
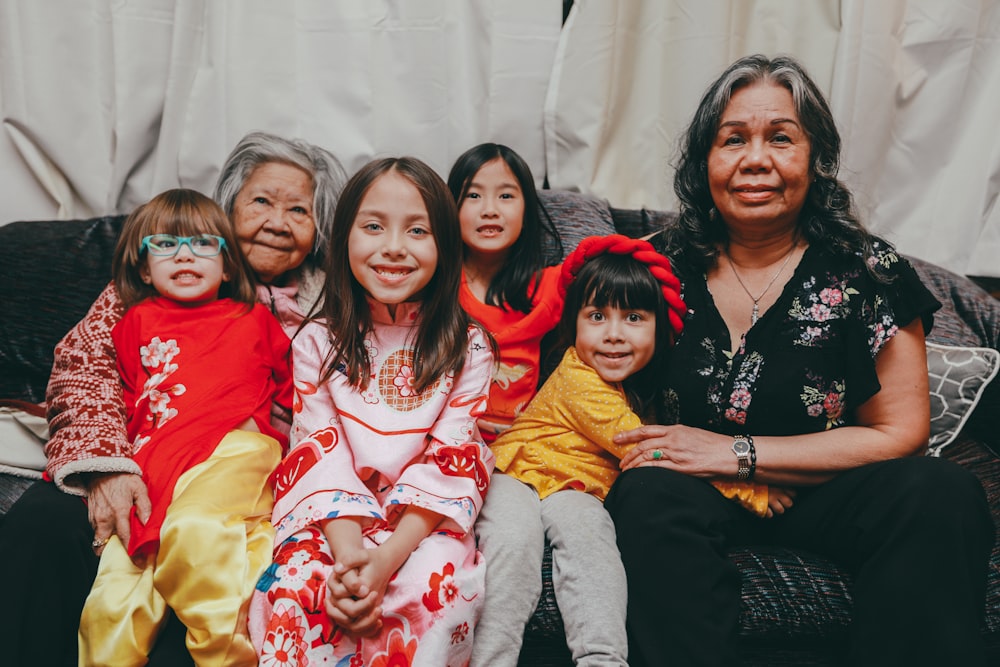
755 314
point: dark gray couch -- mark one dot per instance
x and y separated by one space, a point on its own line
796 606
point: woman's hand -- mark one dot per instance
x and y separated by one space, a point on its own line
110 497
693 451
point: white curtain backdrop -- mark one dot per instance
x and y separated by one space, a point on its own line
914 86
107 102
104 103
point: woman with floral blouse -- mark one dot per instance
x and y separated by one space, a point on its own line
802 366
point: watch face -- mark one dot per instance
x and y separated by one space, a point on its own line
741 447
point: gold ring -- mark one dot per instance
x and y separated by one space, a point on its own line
657 455
97 544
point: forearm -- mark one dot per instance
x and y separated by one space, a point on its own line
414 525
814 458
344 536
86 410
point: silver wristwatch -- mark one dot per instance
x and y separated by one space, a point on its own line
742 448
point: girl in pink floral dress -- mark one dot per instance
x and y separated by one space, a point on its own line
375 561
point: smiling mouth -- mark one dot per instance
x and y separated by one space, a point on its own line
391 274
490 230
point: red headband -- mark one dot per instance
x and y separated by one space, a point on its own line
643 251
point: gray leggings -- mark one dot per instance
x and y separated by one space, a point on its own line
587 573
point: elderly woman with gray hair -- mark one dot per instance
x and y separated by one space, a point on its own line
280 195
801 366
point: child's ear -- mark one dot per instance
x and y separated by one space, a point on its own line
144 274
225 276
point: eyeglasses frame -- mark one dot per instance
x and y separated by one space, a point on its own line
145 245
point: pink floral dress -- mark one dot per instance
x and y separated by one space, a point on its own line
810 359
370 454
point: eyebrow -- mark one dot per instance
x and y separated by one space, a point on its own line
381 215
512 185
271 191
776 121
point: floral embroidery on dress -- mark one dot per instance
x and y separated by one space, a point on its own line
742 394
821 308
158 358
828 403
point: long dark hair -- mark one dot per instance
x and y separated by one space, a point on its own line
513 286
620 281
828 217
441 338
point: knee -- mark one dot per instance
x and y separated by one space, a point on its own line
941 495
521 539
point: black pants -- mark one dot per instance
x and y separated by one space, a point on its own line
915 533
48 567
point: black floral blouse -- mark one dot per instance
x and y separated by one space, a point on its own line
808 362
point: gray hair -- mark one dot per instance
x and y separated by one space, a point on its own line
328 178
828 216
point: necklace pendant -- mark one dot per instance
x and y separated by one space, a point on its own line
755 315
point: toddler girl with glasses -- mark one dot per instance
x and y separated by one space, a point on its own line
201 363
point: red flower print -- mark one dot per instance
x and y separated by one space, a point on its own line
309 549
443 589
831 296
282 646
740 398
404 381
833 406
460 633
738 416
398 652
463 461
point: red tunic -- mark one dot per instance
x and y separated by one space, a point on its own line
190 375
518 337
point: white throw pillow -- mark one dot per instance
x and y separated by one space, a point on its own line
958 376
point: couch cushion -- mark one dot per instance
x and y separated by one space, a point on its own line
58 268
576 216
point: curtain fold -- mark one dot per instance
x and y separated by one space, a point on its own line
104 103
914 86
126 99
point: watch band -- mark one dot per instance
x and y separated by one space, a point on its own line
746 457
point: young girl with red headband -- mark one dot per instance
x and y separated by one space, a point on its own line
622 312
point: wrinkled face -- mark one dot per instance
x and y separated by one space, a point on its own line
492 212
273 219
185 277
758 166
615 342
391 247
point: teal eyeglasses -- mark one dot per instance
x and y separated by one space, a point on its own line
168 245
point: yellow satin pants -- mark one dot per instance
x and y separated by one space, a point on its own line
215 543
